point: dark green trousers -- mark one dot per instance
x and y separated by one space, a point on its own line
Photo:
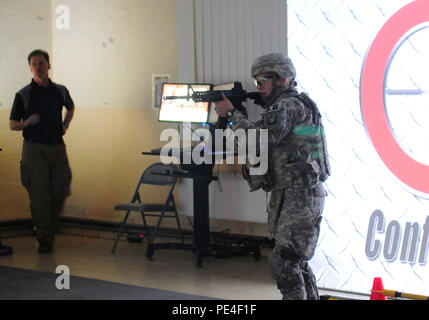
46 174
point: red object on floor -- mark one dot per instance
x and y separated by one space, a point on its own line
377 286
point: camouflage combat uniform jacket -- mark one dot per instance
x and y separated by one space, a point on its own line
297 196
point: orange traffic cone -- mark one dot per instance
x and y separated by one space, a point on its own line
377 288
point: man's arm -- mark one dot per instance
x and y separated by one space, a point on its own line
68 116
286 113
21 125
17 114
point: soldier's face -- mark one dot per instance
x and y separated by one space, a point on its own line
264 84
39 67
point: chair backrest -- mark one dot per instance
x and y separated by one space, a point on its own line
160 174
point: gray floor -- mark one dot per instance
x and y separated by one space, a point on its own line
22 284
232 278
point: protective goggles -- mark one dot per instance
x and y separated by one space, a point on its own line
259 82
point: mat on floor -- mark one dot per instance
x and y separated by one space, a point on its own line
21 284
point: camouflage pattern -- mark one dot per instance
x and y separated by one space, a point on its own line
294 218
297 157
295 142
297 196
274 62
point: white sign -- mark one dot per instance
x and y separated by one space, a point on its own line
376 217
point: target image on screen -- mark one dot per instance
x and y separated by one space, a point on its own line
183 108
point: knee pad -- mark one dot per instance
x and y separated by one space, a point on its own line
276 264
291 278
282 258
285 268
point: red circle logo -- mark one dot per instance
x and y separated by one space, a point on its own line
405 168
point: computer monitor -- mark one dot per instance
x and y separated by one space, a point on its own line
183 109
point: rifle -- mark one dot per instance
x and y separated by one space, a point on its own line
236 95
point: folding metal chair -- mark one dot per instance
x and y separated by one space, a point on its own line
156 174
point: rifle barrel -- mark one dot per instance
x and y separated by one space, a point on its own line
216 95
177 97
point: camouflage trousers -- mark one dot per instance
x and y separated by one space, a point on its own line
294 218
46 175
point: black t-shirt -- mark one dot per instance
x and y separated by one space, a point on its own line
48 103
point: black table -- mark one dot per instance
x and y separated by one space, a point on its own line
203 245
201 175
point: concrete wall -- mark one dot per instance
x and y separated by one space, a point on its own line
106 59
24 26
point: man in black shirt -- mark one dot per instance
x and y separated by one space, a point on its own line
45 171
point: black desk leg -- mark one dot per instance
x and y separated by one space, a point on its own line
201 219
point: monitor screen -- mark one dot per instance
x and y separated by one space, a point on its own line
183 109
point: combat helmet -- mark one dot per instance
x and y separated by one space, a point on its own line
274 62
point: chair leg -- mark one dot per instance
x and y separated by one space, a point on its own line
157 226
179 227
146 228
120 231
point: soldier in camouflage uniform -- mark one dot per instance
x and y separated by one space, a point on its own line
298 165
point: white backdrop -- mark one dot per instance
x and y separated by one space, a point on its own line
328 42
